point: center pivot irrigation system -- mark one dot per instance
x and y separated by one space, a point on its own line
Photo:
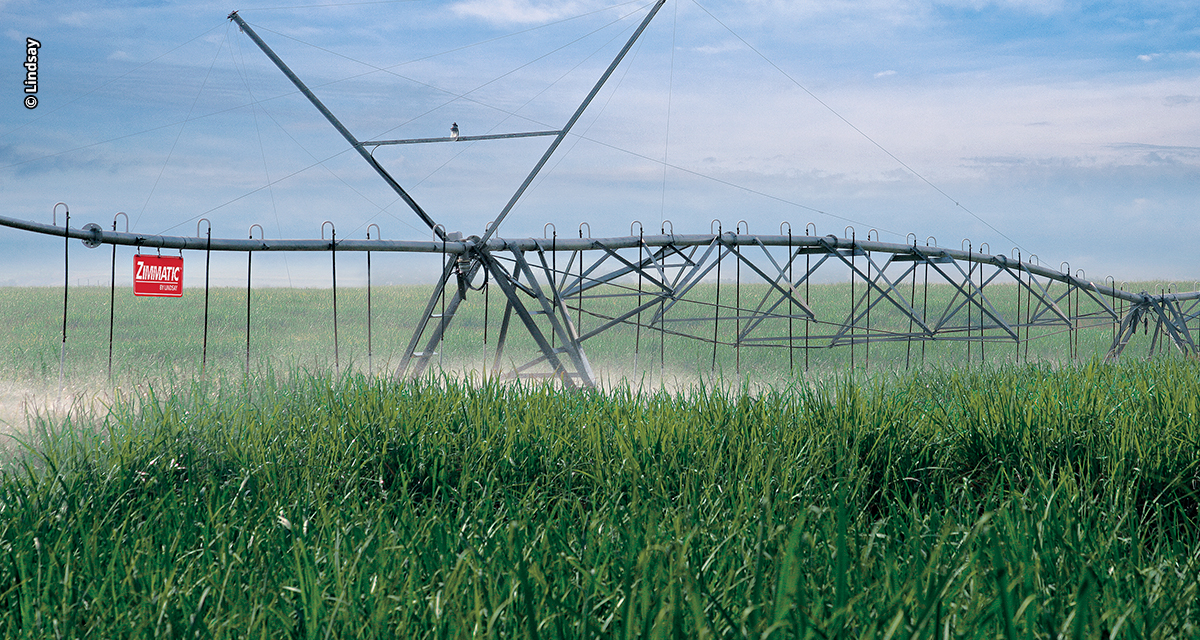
650 282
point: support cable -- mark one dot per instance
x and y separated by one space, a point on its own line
262 152
736 185
571 122
599 111
256 103
667 129
852 126
387 177
182 126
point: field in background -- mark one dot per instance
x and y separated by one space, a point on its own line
155 338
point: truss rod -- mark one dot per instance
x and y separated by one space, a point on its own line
492 136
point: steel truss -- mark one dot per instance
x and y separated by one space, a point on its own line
652 283
566 291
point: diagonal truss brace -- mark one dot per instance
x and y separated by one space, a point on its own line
1170 320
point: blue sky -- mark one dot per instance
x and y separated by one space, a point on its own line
1069 129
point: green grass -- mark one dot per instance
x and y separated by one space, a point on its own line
1011 502
1050 500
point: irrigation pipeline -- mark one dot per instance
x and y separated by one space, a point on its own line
495 245
767 301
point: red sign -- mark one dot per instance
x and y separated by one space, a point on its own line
158 276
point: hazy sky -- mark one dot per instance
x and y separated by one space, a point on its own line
1069 129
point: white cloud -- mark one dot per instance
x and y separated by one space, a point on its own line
1042 7
890 12
884 74
1171 56
77 19
716 49
1180 100
860 11
522 11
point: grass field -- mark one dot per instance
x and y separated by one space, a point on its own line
1046 500
156 337
1014 502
